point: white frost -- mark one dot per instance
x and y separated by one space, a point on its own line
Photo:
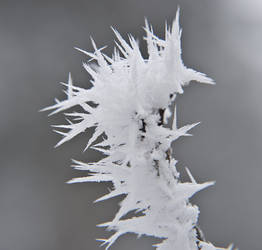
129 104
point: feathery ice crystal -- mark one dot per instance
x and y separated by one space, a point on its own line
131 98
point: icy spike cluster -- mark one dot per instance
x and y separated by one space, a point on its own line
129 104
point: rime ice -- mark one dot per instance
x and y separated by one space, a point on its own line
131 99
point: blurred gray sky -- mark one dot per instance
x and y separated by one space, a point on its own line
223 39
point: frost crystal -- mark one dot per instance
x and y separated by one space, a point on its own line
129 104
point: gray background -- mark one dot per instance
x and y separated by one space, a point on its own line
38 211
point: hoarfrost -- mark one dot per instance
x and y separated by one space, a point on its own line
131 98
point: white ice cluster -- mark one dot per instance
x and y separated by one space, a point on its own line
129 105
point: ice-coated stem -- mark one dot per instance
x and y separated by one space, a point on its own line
129 104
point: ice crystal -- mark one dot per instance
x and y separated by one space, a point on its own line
129 104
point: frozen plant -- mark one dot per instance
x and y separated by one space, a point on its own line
129 105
